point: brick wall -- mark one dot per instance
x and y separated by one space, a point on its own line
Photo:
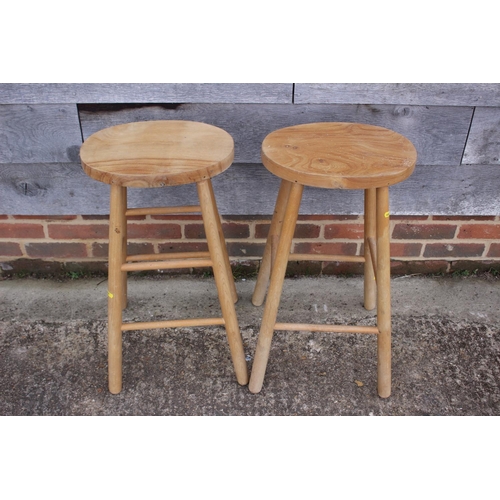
419 244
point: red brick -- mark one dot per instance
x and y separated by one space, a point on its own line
106 217
56 250
230 230
334 268
45 217
494 250
463 218
21 231
344 231
3 217
301 231
423 231
234 230
480 231
409 218
194 231
326 248
248 218
200 246
405 249
328 217
8 249
262 230
306 231
95 217
101 249
78 231
154 231
239 249
177 217
419 266
454 250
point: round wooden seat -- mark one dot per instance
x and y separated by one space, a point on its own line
157 153
339 155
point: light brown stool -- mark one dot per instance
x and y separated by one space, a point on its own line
156 154
332 156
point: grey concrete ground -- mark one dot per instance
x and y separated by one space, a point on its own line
446 350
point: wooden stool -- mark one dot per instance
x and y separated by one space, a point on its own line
332 156
155 154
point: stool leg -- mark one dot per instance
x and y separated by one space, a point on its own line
223 246
370 228
115 287
222 280
383 293
124 247
275 289
274 232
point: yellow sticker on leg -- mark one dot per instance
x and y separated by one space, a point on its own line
386 215
110 295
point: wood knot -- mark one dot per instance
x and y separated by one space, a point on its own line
30 188
402 111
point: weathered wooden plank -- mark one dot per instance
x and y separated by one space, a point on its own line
438 133
248 189
39 133
425 94
483 144
63 188
57 93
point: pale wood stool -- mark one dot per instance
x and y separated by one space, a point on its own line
156 154
332 156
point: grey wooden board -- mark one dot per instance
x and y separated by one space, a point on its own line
430 94
438 133
248 189
35 93
483 145
39 133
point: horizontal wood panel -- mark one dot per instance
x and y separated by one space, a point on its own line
248 189
438 133
483 144
39 133
35 93
430 94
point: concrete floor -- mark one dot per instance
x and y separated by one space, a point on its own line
446 349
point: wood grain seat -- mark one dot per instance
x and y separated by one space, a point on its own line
157 154
332 156
339 155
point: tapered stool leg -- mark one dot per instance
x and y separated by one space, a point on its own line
370 229
124 247
229 271
115 286
275 289
274 233
222 281
383 293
